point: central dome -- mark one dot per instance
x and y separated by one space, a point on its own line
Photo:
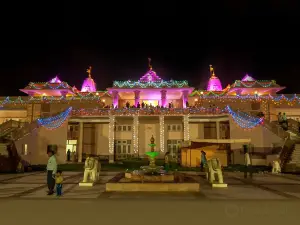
214 83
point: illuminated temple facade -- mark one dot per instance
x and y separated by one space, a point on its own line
118 122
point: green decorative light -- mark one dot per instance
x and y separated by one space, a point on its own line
159 84
152 154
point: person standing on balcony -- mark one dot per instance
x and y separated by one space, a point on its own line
51 172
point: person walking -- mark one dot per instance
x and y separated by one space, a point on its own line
203 161
68 155
167 161
51 171
248 165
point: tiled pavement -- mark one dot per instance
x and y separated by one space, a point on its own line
261 187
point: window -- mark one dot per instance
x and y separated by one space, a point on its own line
123 128
123 149
174 127
173 148
24 149
210 130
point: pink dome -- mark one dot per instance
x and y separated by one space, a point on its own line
89 84
214 83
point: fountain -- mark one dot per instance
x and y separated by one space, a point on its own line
151 178
152 168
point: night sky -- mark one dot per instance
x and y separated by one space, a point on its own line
40 41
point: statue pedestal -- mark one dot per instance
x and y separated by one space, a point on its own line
217 185
86 184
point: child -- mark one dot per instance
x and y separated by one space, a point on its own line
58 180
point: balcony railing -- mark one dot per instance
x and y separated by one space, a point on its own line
147 111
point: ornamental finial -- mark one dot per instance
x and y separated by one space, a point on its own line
149 64
211 70
89 71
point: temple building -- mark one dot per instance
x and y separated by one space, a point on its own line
117 123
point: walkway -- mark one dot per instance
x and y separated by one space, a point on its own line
267 198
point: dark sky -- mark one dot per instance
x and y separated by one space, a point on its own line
182 38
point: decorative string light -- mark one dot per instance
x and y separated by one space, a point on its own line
135 135
244 120
48 85
162 133
149 84
147 111
186 128
54 122
111 134
250 84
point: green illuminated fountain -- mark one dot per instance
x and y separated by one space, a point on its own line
152 168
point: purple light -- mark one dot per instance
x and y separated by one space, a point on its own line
88 85
55 80
214 84
248 78
150 76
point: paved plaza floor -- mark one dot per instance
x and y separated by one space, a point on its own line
261 187
23 198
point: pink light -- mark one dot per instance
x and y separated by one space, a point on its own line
55 80
214 84
150 76
88 85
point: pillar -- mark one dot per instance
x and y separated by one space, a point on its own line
135 134
80 142
162 133
136 97
218 129
186 128
185 94
163 98
115 97
111 138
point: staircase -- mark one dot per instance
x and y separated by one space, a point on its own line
275 128
9 126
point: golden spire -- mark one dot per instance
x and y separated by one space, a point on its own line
149 64
211 70
89 71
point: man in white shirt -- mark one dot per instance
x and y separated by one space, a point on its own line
51 171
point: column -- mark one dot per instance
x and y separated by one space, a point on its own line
163 98
135 134
136 97
80 142
162 133
111 138
218 129
185 94
186 128
115 97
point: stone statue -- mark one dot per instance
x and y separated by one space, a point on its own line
91 170
276 167
214 168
